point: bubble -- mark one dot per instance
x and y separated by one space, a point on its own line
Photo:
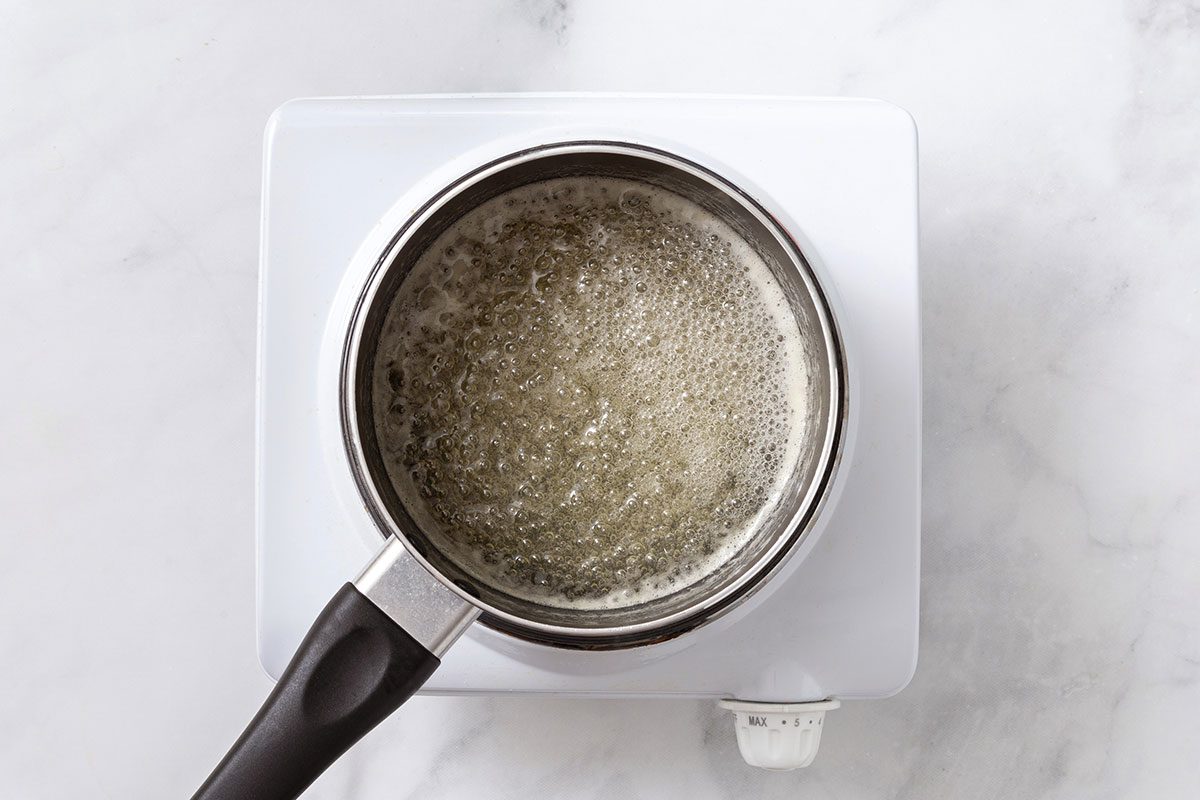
600 409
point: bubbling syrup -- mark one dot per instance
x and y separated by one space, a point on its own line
589 391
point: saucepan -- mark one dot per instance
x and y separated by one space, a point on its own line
382 635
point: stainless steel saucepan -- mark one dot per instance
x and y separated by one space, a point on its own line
380 637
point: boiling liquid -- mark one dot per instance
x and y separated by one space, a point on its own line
589 391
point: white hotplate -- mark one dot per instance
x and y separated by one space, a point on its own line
841 621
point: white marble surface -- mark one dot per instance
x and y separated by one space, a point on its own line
1060 198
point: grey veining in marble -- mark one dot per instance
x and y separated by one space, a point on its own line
1061 279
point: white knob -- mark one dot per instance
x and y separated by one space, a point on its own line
779 736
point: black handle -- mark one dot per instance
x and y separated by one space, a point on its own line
354 668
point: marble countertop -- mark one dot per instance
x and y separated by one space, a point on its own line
1060 647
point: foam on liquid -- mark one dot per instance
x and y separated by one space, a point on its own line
589 391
